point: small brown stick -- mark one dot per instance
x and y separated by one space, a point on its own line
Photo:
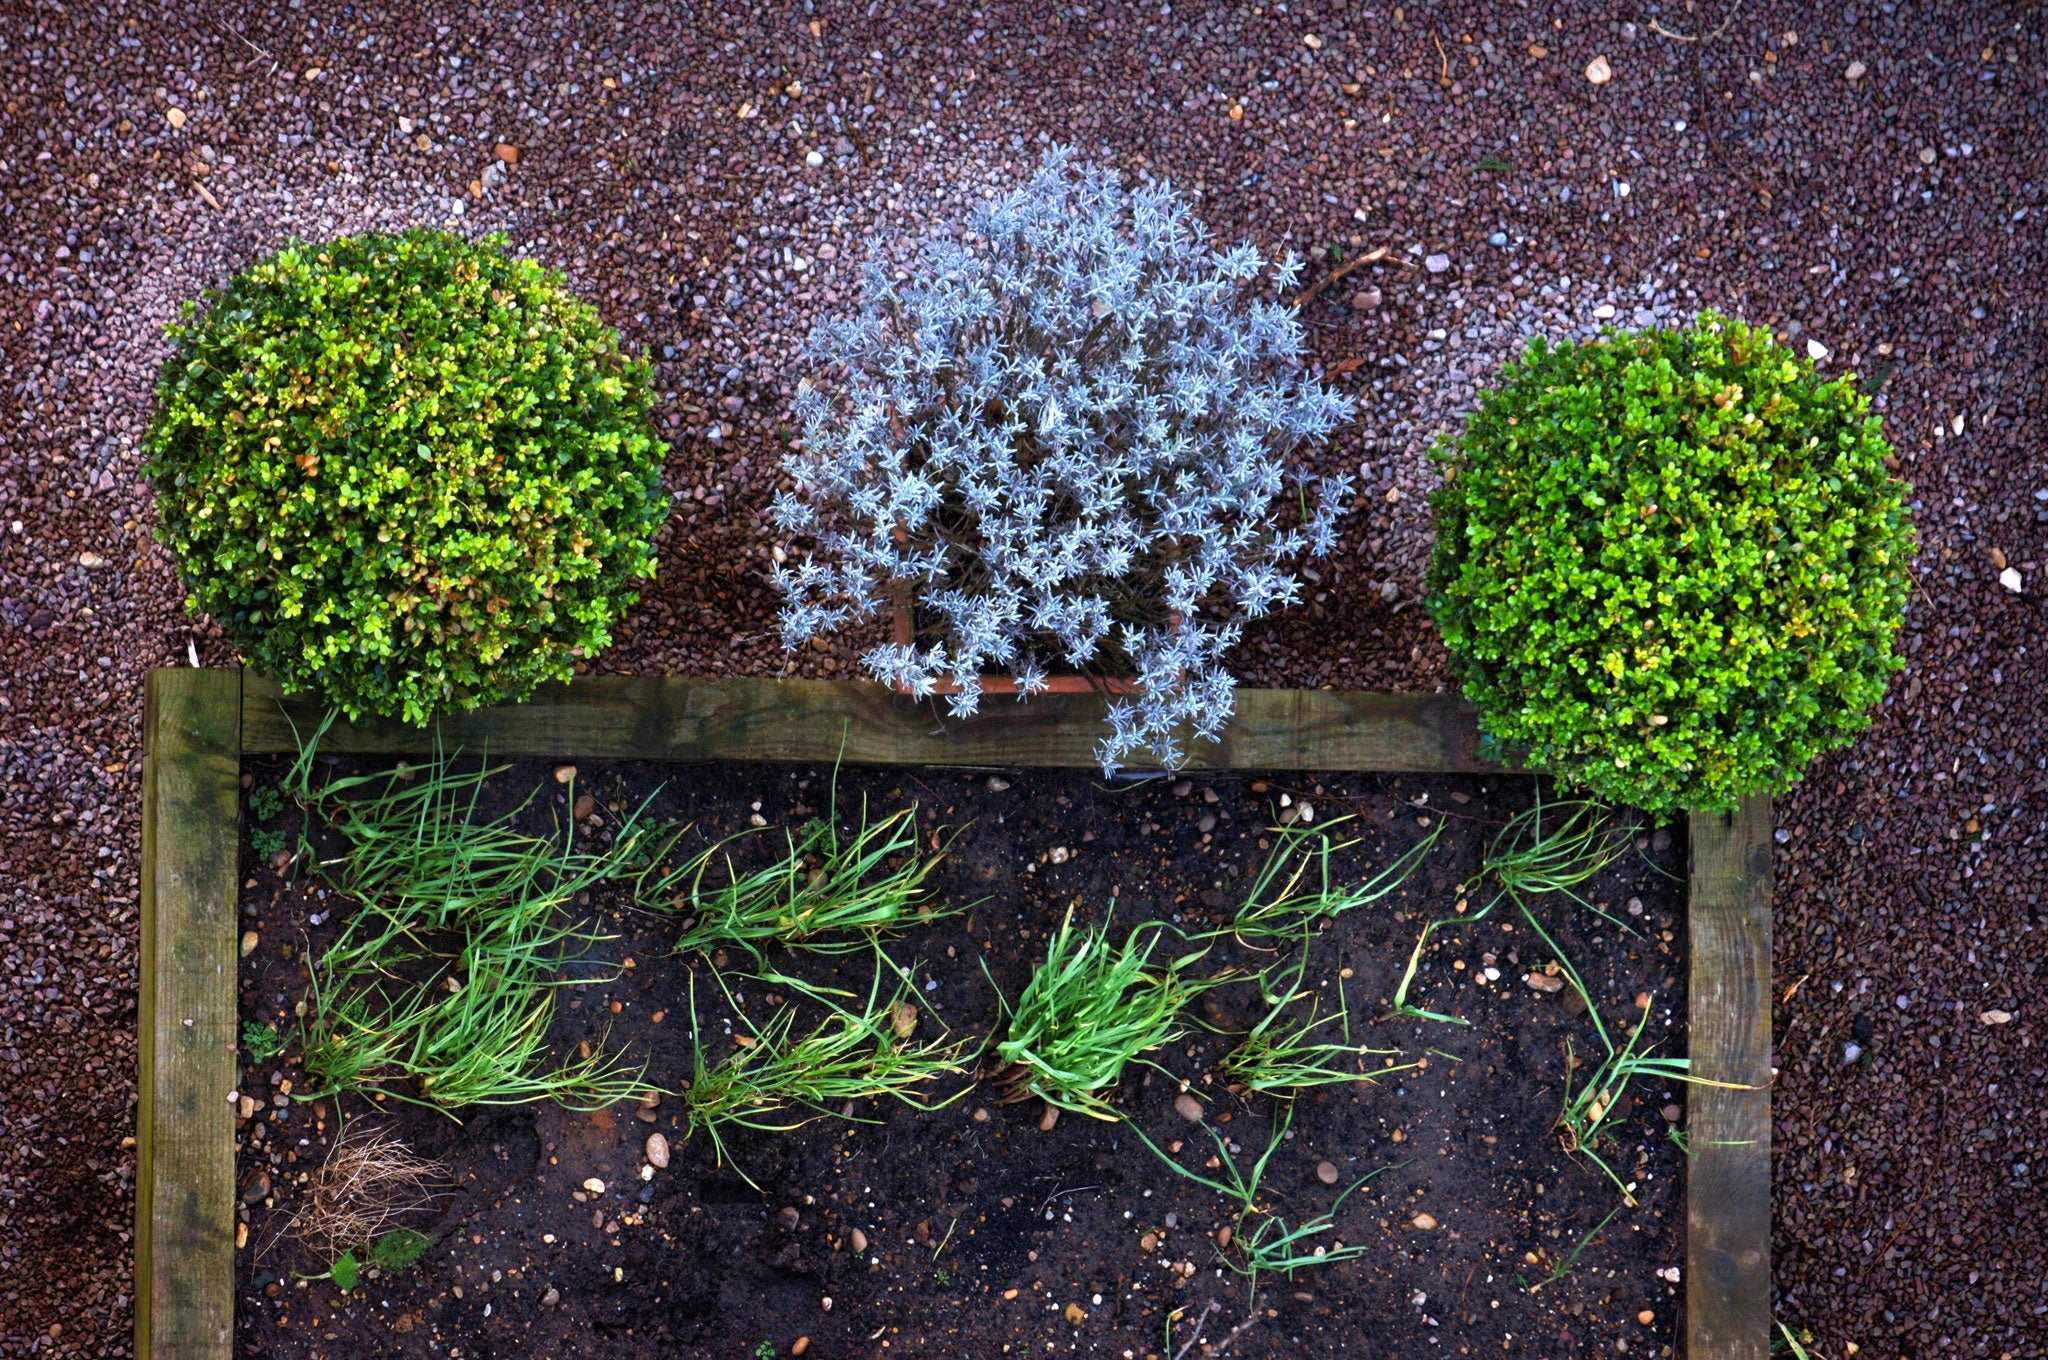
1237 1331
1211 1307
253 47
1220 1347
1309 294
1658 28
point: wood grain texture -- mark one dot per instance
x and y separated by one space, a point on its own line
1728 1182
185 1134
734 718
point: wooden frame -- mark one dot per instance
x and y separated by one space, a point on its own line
199 724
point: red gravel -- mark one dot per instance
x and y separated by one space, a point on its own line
1910 878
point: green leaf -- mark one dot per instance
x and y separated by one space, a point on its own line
346 1268
260 1041
399 1248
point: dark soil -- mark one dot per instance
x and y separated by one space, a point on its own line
983 1229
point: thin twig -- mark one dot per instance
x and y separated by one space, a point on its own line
1658 28
242 40
1200 1322
1235 1332
1308 294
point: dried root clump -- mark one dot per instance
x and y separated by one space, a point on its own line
370 1181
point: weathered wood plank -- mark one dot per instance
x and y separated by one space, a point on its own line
1728 1183
734 718
185 1136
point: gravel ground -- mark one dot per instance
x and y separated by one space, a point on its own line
1867 178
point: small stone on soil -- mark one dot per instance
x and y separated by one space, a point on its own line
1188 1108
1326 1172
657 1150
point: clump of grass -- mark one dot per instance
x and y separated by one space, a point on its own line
369 1182
417 846
455 1029
1088 1010
440 986
1296 888
778 1078
828 892
1529 857
1284 1053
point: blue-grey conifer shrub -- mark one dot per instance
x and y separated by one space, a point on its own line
1064 436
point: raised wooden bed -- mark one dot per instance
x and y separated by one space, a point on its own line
198 725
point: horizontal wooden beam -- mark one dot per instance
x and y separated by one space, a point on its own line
737 718
1728 1019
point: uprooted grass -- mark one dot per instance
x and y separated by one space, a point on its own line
1550 848
1262 1240
1582 1123
778 1078
1088 1011
1296 887
1288 1050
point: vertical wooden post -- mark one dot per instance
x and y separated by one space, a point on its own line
1728 1185
185 1132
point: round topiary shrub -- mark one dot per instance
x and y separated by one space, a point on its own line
407 472
1669 566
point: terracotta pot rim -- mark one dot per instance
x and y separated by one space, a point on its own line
998 682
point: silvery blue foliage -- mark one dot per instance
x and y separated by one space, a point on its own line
1063 438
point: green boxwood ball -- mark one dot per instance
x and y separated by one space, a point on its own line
1669 566
408 473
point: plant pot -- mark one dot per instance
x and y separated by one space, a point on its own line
904 631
